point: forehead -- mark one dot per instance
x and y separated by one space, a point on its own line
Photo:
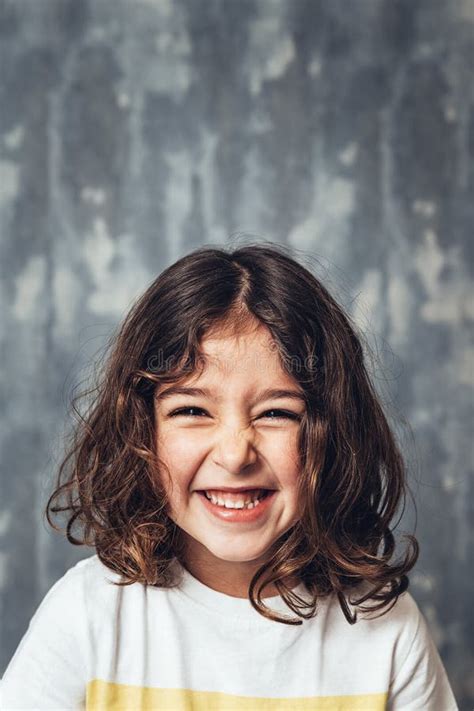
243 364
251 354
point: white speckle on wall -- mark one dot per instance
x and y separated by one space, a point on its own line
116 269
171 80
448 482
400 306
429 261
9 182
115 285
450 300
178 44
123 100
450 114
423 581
93 196
67 293
99 250
464 368
466 8
339 197
254 212
326 229
5 520
173 73
3 569
259 122
13 139
314 67
271 49
368 298
279 61
178 197
425 50
421 417
206 170
28 288
435 628
164 7
425 208
349 154
98 33
451 305
306 233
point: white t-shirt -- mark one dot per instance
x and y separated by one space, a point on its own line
93 645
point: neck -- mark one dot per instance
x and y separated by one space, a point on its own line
229 577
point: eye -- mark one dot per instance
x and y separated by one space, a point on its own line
184 411
279 414
282 415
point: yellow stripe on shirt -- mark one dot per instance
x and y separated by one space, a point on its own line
110 696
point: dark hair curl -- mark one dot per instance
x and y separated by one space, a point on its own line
352 472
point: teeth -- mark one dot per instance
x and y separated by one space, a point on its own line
246 501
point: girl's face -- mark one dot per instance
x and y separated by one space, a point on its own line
231 435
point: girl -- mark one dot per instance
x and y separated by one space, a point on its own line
237 478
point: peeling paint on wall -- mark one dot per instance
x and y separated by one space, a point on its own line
131 133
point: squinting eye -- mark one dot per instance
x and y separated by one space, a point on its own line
282 414
184 411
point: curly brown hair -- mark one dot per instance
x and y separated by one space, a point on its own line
353 475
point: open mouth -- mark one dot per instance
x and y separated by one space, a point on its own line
242 500
244 507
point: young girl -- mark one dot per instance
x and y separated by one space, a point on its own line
237 478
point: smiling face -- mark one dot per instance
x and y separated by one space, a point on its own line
231 437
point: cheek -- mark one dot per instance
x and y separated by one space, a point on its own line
179 457
283 452
179 451
288 470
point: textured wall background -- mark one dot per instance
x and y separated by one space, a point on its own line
134 131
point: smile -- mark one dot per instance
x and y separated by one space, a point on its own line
244 499
245 507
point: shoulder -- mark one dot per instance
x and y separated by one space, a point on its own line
405 604
88 579
402 626
54 653
400 638
401 617
88 571
418 679
393 627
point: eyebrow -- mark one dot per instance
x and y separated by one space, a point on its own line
268 394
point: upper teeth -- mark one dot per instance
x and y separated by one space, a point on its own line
235 501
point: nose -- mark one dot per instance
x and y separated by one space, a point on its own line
235 449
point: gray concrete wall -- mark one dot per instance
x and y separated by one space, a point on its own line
134 131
